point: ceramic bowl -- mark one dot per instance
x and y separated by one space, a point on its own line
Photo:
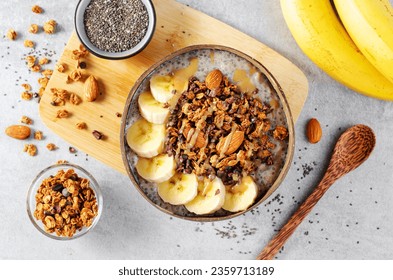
209 57
80 31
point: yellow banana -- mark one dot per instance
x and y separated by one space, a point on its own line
370 25
321 36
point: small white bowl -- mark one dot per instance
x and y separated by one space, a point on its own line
52 170
81 32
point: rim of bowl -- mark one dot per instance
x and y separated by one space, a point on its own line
81 32
286 109
94 185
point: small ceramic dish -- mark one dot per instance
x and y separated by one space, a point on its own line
51 171
229 61
81 32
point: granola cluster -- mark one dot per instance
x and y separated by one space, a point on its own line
218 130
65 203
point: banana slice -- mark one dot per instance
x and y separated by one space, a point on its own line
151 109
210 198
157 169
145 138
162 88
241 197
180 189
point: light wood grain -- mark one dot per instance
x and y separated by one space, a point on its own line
178 26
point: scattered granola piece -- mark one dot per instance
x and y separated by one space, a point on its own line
50 26
36 68
31 149
43 61
62 114
27 95
61 67
75 75
43 82
28 43
51 147
61 161
38 135
98 135
26 120
41 91
81 125
75 99
27 87
11 34
36 9
30 60
33 28
81 53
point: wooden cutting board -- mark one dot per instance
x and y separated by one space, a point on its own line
177 26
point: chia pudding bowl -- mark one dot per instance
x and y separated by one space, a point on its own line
115 29
245 78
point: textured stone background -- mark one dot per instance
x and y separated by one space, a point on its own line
352 221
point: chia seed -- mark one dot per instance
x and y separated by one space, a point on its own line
116 25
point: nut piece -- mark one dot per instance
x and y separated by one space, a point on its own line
91 88
11 34
20 132
236 139
314 131
214 79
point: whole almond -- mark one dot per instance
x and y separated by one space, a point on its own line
18 131
214 79
236 140
200 141
91 89
314 131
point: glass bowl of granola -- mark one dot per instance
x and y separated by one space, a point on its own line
207 134
64 201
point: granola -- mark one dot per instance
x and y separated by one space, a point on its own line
36 9
81 125
65 203
28 43
62 114
50 26
26 120
11 34
51 147
38 135
218 130
31 149
33 28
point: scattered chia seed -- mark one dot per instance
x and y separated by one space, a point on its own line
116 25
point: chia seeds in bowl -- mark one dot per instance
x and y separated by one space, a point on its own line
115 29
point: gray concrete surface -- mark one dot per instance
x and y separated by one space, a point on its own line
352 221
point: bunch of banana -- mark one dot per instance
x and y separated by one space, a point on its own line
353 45
146 137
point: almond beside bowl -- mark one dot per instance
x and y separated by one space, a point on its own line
207 134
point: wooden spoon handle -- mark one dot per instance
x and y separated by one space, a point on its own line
278 241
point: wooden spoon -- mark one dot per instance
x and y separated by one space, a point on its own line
351 150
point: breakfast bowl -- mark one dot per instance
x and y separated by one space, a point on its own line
207 134
64 202
115 30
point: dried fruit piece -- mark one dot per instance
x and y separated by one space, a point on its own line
11 34
20 132
314 131
91 88
214 79
50 26
98 135
33 28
